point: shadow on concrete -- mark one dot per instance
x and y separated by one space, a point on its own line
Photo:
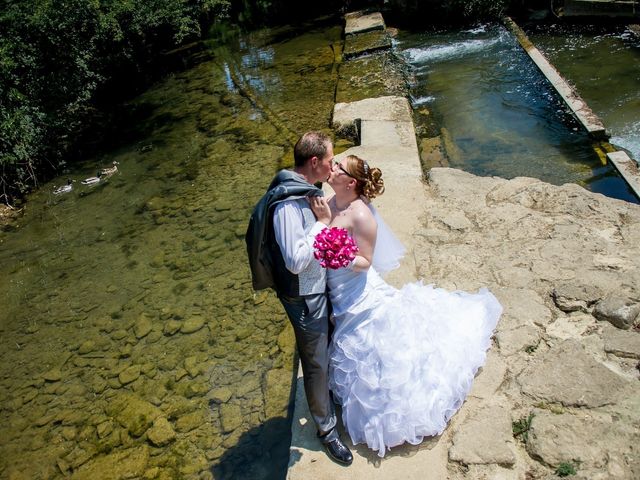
305 443
402 451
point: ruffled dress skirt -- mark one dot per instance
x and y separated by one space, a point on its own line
403 361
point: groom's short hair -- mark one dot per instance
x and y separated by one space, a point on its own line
311 144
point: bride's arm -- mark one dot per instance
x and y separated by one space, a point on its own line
364 232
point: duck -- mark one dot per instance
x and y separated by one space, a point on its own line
107 172
92 180
64 188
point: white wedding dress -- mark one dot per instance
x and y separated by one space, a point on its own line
402 361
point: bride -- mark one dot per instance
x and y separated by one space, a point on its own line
401 361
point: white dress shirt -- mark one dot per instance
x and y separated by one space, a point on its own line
295 245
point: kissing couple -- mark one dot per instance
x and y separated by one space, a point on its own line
400 362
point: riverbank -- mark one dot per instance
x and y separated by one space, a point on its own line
560 388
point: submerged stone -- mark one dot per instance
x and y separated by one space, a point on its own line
161 433
220 395
368 42
87 346
171 327
129 463
53 375
190 421
192 324
129 375
143 326
230 417
133 413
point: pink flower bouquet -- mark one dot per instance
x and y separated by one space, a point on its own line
334 248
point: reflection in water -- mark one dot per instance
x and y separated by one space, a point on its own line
131 340
500 116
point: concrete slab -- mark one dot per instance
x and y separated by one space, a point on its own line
364 43
589 120
377 75
388 142
308 460
628 169
389 108
358 22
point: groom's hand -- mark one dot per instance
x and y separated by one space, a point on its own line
320 209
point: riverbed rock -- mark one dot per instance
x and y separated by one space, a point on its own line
161 433
142 326
277 391
129 463
192 324
192 366
190 421
171 327
220 395
133 413
620 312
230 417
129 374
87 346
53 375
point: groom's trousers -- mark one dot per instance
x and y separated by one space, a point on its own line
309 316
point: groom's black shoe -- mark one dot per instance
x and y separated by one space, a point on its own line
338 451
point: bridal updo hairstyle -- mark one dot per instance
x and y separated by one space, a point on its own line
369 180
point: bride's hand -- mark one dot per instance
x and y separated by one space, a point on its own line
320 209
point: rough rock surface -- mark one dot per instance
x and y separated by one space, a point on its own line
560 259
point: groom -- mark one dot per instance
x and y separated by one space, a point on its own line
280 245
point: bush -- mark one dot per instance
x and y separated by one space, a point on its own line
55 56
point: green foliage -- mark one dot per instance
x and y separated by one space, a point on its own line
521 427
476 9
55 56
565 469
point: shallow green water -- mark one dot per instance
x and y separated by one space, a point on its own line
131 300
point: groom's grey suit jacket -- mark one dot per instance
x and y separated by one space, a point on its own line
268 269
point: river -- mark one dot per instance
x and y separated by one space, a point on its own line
131 336
132 343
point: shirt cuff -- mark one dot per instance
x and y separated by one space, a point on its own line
317 228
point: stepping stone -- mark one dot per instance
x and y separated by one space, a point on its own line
358 23
364 43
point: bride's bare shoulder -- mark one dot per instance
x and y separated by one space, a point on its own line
362 213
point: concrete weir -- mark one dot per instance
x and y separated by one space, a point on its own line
387 141
627 167
589 120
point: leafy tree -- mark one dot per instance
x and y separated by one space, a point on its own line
57 55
